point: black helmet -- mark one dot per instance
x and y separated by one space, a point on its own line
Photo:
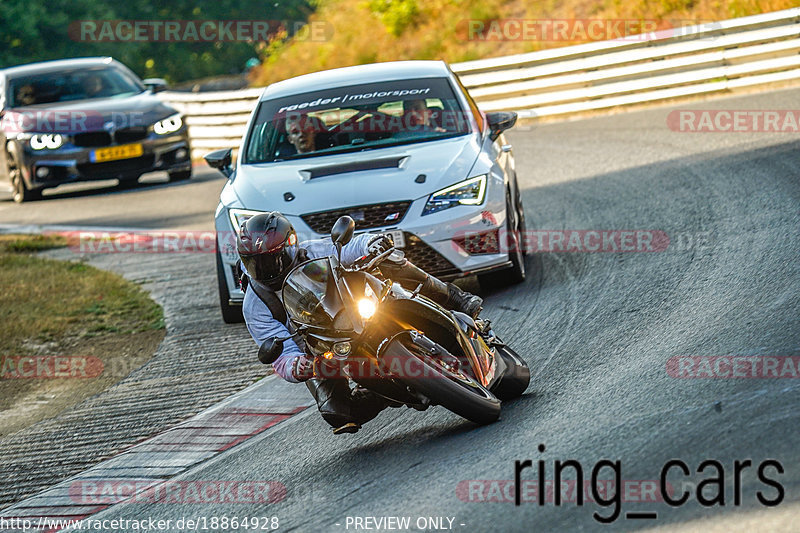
267 245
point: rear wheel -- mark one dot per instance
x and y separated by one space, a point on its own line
231 314
452 389
21 191
517 376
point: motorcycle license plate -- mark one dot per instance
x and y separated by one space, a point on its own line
397 237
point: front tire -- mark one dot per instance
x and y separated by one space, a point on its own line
456 392
517 377
21 191
516 272
231 314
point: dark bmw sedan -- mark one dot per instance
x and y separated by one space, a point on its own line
85 119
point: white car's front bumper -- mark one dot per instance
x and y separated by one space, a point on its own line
434 242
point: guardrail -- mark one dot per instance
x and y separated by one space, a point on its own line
707 58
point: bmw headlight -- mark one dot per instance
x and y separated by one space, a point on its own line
469 192
42 141
168 125
239 216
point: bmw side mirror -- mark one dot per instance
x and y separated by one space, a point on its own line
500 121
342 231
221 160
270 350
155 85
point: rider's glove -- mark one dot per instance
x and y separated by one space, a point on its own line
378 245
302 368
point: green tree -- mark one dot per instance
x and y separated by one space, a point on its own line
39 30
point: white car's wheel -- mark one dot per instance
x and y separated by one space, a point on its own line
231 314
516 272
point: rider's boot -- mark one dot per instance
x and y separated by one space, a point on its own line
344 410
451 297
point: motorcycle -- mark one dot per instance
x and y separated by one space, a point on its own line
395 342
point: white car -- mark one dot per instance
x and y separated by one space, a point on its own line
401 147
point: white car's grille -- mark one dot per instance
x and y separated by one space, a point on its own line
366 216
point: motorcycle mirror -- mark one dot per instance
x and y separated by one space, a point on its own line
342 231
270 350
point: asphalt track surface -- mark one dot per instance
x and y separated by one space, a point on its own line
597 330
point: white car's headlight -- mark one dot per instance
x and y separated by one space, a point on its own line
239 216
168 125
49 141
468 192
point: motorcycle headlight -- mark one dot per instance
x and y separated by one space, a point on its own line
239 216
366 308
168 125
469 192
368 304
42 141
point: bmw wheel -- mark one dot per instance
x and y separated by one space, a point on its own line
21 191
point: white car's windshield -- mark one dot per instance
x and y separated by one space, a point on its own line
355 118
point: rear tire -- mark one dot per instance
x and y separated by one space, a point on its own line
463 396
231 314
515 381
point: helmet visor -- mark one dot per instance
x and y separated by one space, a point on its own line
270 267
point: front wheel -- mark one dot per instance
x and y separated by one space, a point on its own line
21 191
452 389
516 272
231 314
516 378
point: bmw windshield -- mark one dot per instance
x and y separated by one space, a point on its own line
355 118
77 84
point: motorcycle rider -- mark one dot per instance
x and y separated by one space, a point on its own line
268 248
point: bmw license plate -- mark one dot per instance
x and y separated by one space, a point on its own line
397 237
114 153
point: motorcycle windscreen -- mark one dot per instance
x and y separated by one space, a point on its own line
310 294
